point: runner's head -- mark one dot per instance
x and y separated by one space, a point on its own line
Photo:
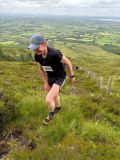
38 43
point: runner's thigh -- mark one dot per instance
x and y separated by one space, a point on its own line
54 91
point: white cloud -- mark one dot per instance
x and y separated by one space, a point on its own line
81 6
91 3
61 3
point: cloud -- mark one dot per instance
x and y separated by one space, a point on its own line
54 6
106 4
60 3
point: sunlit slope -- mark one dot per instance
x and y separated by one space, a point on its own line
92 57
76 132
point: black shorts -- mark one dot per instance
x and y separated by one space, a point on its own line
60 81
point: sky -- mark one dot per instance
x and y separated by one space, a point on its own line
62 7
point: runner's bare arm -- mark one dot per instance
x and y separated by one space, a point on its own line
70 69
42 73
66 61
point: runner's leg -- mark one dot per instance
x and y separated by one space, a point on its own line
57 101
50 98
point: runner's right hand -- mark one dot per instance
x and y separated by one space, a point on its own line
72 81
46 87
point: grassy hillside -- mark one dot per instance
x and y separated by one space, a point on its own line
15 54
88 126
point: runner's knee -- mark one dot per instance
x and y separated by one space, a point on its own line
49 100
52 94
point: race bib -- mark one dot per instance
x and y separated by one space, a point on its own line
47 68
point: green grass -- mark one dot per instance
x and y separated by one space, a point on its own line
7 43
69 135
86 128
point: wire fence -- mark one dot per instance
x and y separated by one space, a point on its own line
100 79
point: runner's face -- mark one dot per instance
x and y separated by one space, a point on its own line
41 50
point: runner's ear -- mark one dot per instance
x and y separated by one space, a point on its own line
46 41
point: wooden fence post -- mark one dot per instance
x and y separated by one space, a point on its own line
109 85
101 82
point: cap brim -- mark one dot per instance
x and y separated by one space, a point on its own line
33 46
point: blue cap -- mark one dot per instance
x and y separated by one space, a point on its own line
35 41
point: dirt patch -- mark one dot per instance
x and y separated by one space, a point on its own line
16 135
4 149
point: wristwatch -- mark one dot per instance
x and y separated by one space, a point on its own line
72 76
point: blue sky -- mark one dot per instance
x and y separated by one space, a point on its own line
62 7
